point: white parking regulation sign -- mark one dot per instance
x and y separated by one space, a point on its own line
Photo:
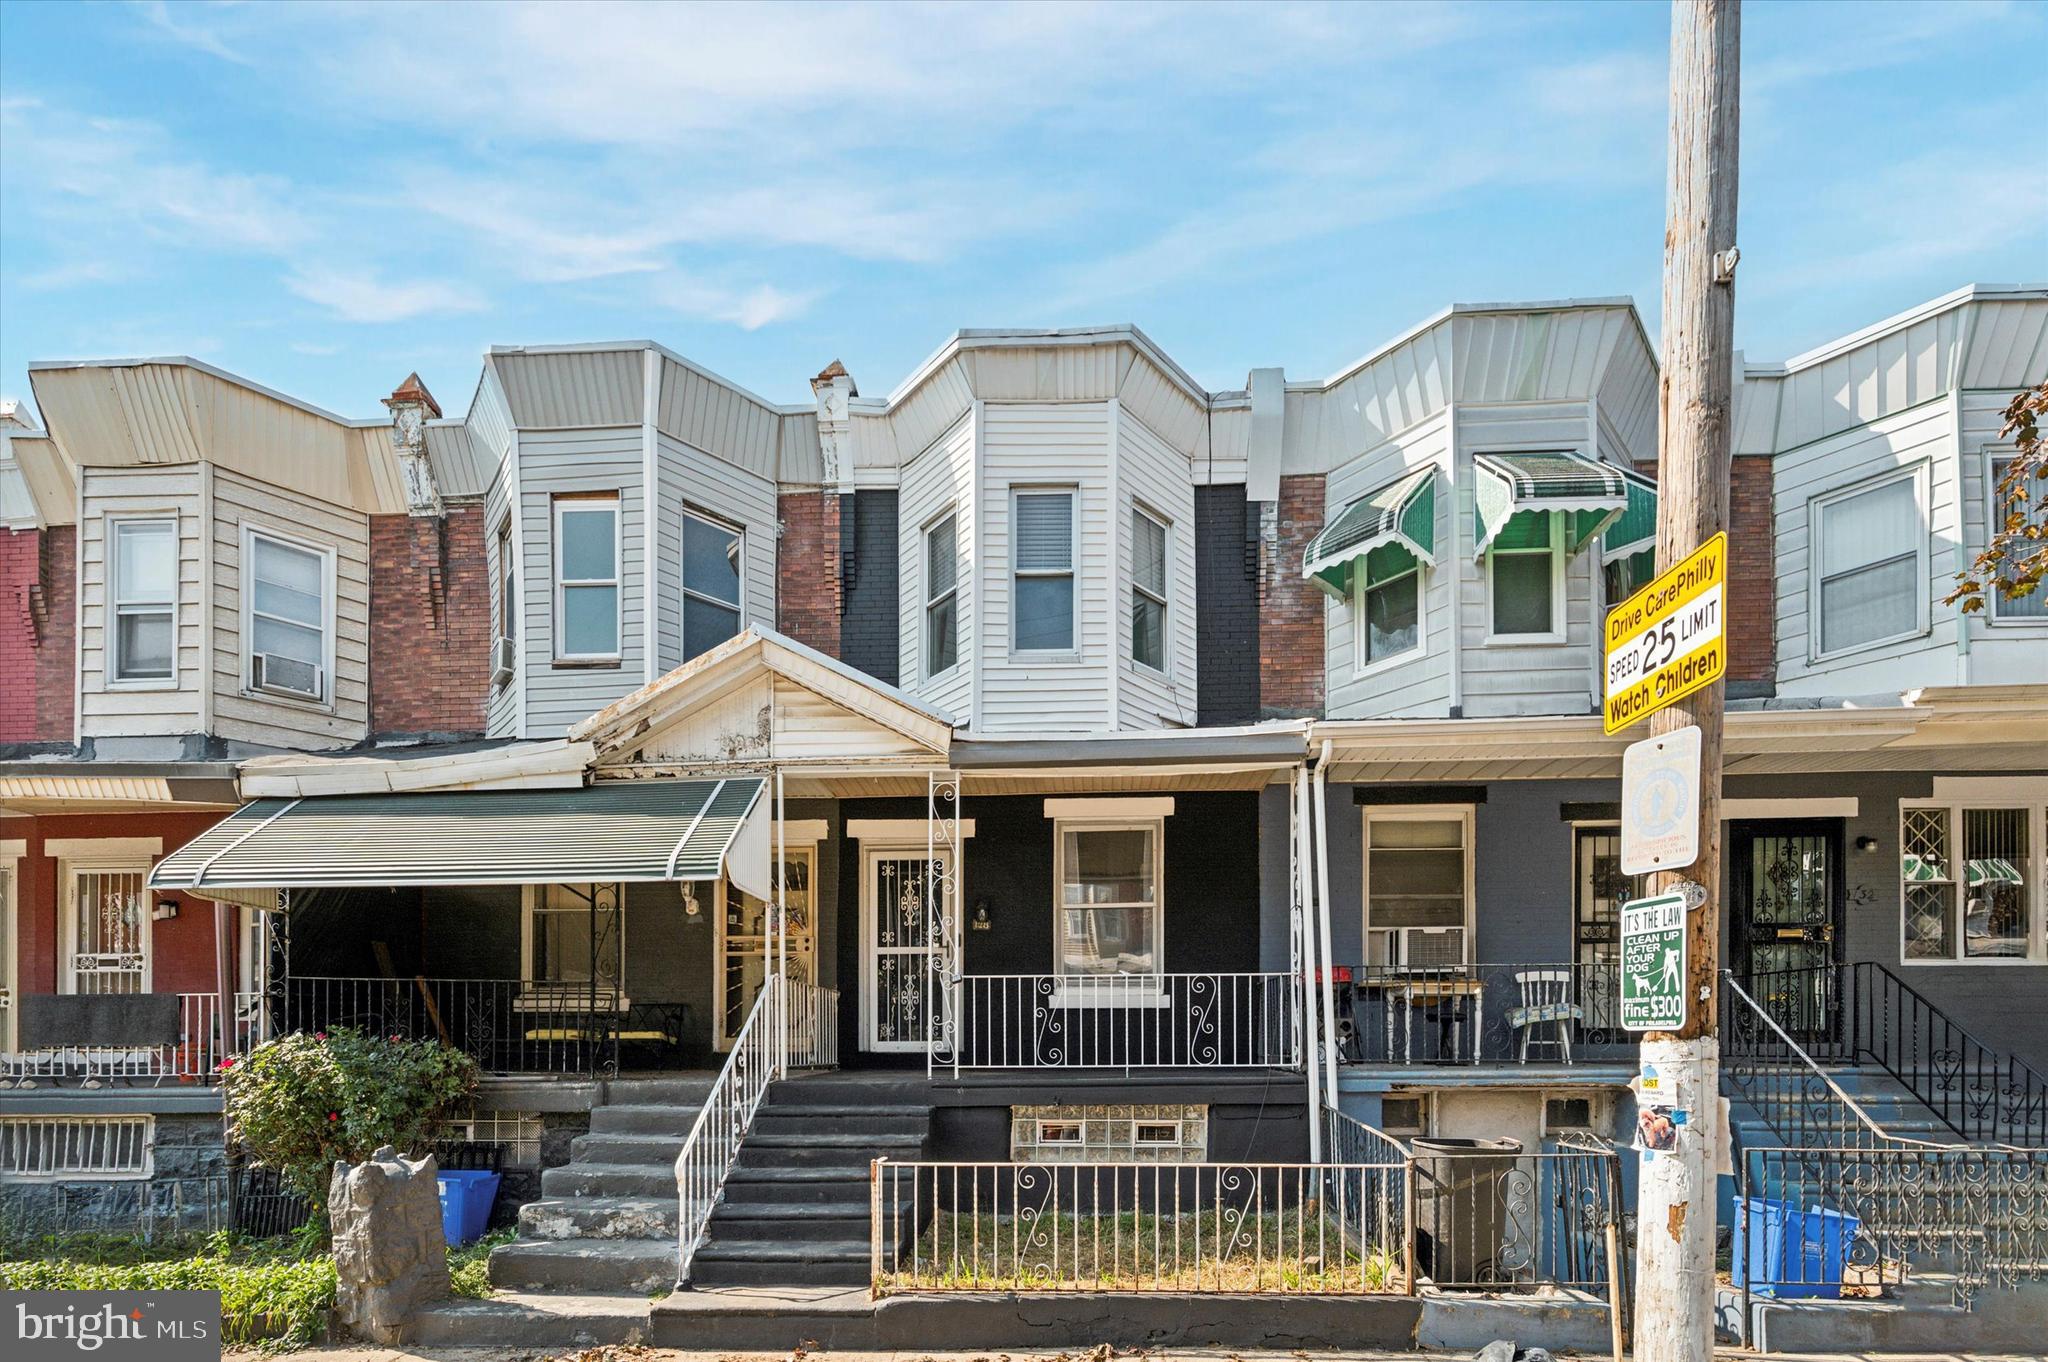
1660 802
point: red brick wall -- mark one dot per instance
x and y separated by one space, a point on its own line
430 662
38 657
1290 609
1752 575
807 585
20 556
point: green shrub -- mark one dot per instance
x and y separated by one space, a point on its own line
469 1267
278 1302
303 1101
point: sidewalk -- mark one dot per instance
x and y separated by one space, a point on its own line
639 1354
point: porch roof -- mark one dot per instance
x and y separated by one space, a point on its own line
627 830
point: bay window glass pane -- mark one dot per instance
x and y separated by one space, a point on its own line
590 620
288 582
281 638
2034 605
711 561
1393 616
144 644
940 558
1521 593
1148 631
1869 603
588 544
1108 865
705 625
1997 862
1045 614
942 634
145 562
1045 531
1148 553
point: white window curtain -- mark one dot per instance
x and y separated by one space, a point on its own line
1871 582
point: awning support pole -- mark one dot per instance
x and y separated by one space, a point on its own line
781 934
1305 898
1323 950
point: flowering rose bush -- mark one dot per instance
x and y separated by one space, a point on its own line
300 1102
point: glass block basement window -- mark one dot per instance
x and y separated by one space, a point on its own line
47 1148
1109 1134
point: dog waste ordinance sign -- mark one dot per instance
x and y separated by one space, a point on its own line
1653 963
1668 640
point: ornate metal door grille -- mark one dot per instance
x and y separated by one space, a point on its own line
1786 881
110 925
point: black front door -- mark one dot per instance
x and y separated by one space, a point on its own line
1785 904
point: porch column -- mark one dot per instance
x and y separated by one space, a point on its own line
224 975
1304 889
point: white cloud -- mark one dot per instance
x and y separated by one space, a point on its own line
360 296
190 34
750 309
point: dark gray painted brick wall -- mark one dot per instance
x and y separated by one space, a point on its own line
1226 611
868 629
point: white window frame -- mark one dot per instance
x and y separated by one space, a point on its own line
1045 1123
508 583
1172 1123
1556 633
1993 517
546 991
1163 597
68 871
1465 814
1108 990
931 600
12 849
616 581
1815 518
1072 572
687 594
116 606
2037 867
325 552
1360 666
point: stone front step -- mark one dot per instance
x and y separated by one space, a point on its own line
585 1265
610 1217
850 1121
803 1262
536 1320
632 1118
652 1150
608 1179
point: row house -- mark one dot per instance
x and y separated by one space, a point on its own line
1088 764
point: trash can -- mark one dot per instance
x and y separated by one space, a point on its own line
466 1198
1785 1252
1462 1189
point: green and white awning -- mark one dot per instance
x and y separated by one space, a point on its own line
1387 530
1634 531
1591 495
1991 870
1921 870
618 831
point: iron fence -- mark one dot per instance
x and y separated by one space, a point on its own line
1515 1012
194 1059
1126 1021
508 1026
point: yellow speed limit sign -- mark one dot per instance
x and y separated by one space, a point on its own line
1668 639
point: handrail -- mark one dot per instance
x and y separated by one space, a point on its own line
713 1144
2022 1075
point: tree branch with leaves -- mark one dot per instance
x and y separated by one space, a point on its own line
2014 561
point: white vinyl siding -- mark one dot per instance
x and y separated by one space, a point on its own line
690 481
1870 552
144 592
586 581
109 496
606 462
1155 480
939 481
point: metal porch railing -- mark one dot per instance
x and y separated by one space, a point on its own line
1127 1021
195 1058
1503 1012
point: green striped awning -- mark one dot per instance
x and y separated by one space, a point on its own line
1388 529
626 830
1591 494
1991 870
1921 870
1635 529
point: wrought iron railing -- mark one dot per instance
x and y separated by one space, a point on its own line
1127 1021
508 1026
195 1058
1517 1012
1863 1013
1765 1066
713 1145
813 1026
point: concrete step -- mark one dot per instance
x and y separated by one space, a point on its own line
652 1150
845 1160
608 1179
539 1320
636 1118
796 1263
831 1137
610 1217
679 1092
843 1120
585 1265
796 1186
732 1225
869 1091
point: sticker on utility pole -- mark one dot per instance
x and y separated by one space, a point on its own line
1653 963
1660 802
1669 639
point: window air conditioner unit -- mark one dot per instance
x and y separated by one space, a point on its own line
284 676
504 662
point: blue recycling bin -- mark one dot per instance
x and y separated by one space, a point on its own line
467 1195
1785 1252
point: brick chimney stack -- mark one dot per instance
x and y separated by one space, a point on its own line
411 405
834 390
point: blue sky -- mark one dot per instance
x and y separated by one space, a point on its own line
325 197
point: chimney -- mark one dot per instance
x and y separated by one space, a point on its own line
411 404
834 389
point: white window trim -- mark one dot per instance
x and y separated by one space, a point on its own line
1173 1122
12 849
68 871
1108 990
1992 599
529 903
507 622
1815 506
2037 867
1164 598
1076 1124
1359 666
1556 632
686 594
924 589
1415 813
250 534
617 582
115 605
1072 572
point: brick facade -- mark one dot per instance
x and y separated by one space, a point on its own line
430 624
807 595
1290 609
38 634
20 625
1226 608
1752 577
872 624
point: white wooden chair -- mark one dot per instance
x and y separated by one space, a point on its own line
1546 997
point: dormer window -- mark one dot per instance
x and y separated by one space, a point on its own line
1043 553
145 595
1148 590
942 594
587 579
711 583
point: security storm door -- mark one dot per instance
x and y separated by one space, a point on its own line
1785 883
897 937
106 931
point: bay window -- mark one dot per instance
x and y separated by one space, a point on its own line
587 579
144 599
1043 574
1869 547
711 583
942 594
1149 537
1418 885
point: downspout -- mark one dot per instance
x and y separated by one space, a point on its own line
1323 950
1305 895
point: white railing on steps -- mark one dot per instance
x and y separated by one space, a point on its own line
713 1145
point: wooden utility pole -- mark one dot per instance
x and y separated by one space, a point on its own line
1675 1201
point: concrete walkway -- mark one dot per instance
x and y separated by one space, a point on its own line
637 1354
